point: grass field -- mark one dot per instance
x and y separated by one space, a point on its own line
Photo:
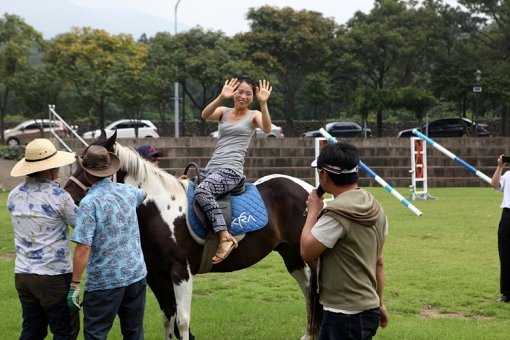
442 279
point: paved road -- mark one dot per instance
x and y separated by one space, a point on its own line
8 183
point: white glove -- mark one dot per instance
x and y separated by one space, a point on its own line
73 298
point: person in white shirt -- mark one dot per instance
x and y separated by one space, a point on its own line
502 183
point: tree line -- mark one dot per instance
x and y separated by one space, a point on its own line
404 60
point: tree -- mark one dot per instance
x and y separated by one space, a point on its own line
418 101
490 29
161 72
17 40
35 89
386 51
452 57
316 92
199 60
208 59
130 77
291 45
93 63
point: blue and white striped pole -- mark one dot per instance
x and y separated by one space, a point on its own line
378 179
452 156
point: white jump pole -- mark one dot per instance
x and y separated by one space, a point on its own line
452 156
378 179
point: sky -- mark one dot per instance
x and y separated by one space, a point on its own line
52 17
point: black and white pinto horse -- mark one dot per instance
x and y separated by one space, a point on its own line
173 256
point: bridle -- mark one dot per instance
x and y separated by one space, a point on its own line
80 184
83 186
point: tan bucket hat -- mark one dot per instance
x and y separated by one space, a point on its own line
98 162
40 155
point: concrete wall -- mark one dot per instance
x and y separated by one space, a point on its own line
389 157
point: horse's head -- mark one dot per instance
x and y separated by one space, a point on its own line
161 187
78 185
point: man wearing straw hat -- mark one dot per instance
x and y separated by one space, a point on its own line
108 245
41 213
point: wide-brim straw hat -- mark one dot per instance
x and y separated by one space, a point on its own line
40 155
98 162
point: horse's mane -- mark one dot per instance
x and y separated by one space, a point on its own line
142 171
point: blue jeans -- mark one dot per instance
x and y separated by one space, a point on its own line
338 326
44 303
101 306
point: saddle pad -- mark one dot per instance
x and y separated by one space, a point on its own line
249 212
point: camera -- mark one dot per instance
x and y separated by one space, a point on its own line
505 159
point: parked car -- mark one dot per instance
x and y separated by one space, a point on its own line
450 127
126 129
341 129
25 132
276 132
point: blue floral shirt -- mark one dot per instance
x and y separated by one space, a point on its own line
107 222
41 213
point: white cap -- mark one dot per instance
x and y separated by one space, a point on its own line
334 169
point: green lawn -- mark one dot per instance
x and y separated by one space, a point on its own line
442 279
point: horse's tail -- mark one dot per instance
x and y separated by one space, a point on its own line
315 310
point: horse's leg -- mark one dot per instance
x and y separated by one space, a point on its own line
302 276
183 294
162 287
301 273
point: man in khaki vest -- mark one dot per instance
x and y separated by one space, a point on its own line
347 237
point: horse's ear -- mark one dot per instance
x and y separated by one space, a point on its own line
102 136
99 140
110 142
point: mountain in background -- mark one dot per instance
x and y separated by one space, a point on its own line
53 17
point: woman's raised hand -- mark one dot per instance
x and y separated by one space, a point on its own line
263 91
229 88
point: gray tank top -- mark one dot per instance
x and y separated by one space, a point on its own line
233 141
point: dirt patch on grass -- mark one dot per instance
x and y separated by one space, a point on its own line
431 312
7 256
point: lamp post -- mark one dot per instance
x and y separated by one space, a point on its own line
176 84
477 90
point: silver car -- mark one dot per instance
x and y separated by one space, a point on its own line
276 132
25 132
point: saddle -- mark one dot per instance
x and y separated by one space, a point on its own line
243 209
224 201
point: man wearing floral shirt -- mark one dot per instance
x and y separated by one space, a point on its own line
41 213
108 245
